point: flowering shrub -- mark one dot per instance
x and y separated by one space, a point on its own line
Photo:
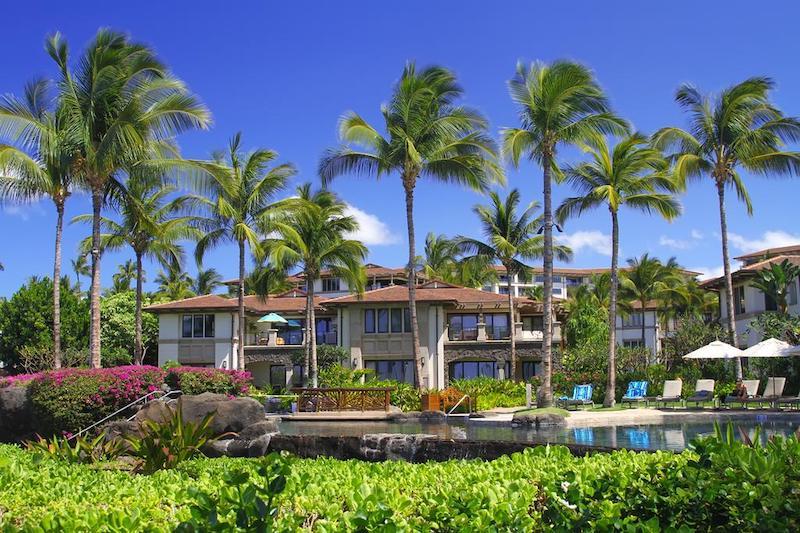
73 398
196 380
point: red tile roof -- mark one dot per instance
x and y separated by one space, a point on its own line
750 270
793 249
207 301
399 293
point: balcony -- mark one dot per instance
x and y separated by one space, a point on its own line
462 334
288 338
496 333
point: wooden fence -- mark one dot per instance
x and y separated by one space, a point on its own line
343 399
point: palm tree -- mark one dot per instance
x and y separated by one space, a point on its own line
511 238
559 104
739 129
174 284
153 227
427 136
80 266
646 279
631 175
776 281
45 172
312 236
265 280
238 192
206 281
441 257
116 102
535 293
122 278
475 272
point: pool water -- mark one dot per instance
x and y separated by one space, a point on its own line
668 436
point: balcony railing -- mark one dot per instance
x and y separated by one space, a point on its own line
497 332
463 334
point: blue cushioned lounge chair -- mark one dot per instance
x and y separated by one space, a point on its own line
581 395
637 392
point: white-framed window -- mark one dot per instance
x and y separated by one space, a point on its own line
330 284
197 326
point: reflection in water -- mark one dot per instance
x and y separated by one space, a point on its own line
649 436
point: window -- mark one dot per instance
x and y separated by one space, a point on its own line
530 369
197 326
503 290
387 320
738 300
462 327
769 303
277 377
401 370
539 278
633 343
473 369
791 293
326 331
633 320
397 320
533 323
297 375
369 321
330 285
497 326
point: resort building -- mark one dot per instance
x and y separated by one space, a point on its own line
748 301
463 332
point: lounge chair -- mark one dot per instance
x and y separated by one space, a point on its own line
637 392
751 386
703 392
581 395
671 394
772 392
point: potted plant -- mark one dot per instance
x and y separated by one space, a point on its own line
431 401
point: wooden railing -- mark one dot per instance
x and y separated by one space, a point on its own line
343 399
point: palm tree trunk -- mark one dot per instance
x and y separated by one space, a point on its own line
545 393
514 372
57 286
307 335
94 291
611 383
240 362
412 282
643 303
726 267
312 330
137 342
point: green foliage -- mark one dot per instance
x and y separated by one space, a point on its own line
491 392
719 485
118 328
164 445
336 376
329 355
777 325
240 504
78 449
195 380
587 324
26 320
690 334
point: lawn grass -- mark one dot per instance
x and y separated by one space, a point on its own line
543 411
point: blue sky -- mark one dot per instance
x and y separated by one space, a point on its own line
283 72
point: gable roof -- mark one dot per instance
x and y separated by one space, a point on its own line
206 301
790 250
425 293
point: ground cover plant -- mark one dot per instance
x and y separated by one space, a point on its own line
722 483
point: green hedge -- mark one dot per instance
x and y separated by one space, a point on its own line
721 486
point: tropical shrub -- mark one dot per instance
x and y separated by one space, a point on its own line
197 380
118 328
70 399
491 393
338 376
720 485
78 449
329 355
164 445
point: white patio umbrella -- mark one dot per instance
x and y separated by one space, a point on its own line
715 350
771 348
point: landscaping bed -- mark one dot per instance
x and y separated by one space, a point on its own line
721 484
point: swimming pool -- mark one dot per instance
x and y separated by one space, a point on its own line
666 436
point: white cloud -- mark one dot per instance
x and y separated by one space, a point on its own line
697 235
675 244
708 272
371 230
594 240
769 239
23 211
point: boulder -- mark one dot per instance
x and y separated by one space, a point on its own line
16 414
432 416
538 420
156 411
121 428
257 430
231 414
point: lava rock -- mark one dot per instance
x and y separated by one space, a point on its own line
257 430
16 414
432 416
540 420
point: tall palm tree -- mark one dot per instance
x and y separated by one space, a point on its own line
647 279
42 168
475 272
428 135
174 284
511 238
441 257
206 281
776 281
117 100
265 280
632 174
738 129
558 104
238 190
80 266
535 293
153 227
312 236
122 278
